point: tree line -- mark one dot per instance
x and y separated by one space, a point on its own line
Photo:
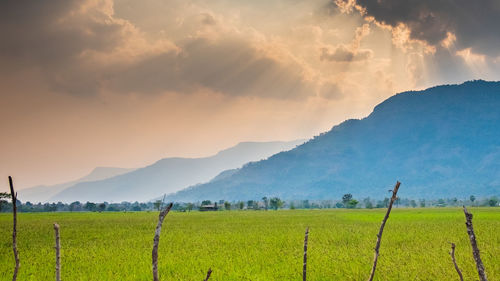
265 203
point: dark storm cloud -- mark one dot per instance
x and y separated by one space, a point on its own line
475 23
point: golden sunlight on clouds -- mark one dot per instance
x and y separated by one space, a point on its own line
123 83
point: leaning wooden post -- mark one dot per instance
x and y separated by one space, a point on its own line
156 240
58 252
379 235
304 269
14 229
452 254
473 243
208 274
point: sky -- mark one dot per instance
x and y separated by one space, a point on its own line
123 83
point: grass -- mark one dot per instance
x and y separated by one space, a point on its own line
252 245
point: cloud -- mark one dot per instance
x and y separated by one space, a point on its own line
415 67
83 48
343 54
51 34
351 52
330 90
472 24
229 66
208 19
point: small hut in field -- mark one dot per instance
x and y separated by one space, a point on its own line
209 207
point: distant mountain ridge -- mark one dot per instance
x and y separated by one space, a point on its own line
169 174
42 193
440 142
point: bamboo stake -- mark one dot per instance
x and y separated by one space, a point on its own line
473 243
14 229
58 252
156 240
304 269
208 274
379 235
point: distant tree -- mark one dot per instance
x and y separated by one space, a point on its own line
3 202
189 206
250 204
89 206
386 202
305 204
60 206
422 203
292 206
157 204
276 203
346 198
339 205
472 199
493 202
241 205
413 204
441 203
75 206
266 202
255 205
227 206
113 208
352 203
368 203
101 207
206 202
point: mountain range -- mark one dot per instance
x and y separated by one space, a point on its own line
164 176
42 193
440 142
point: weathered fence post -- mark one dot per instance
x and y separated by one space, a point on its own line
452 254
379 235
14 229
156 240
304 269
473 243
58 252
208 274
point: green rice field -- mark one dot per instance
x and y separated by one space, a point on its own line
252 245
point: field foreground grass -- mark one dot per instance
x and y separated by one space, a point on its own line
252 245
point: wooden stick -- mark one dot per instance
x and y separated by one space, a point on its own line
58 252
208 274
473 243
304 269
452 254
14 229
156 240
379 235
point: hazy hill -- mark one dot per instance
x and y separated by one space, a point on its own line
170 174
43 193
440 142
